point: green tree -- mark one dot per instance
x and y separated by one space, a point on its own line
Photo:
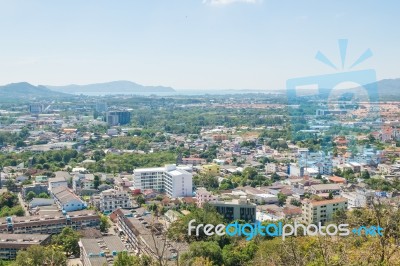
140 200
281 198
44 195
30 195
124 259
204 249
104 223
96 181
365 174
37 255
68 239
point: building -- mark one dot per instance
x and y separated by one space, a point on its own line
49 223
193 161
204 196
237 209
322 211
112 199
100 251
325 188
37 188
10 244
211 169
173 180
115 118
146 236
358 198
60 180
36 108
67 200
37 202
101 107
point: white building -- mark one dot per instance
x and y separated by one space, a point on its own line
61 180
112 199
175 181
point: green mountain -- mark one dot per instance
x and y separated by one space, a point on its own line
114 87
26 90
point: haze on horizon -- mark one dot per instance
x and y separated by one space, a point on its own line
196 44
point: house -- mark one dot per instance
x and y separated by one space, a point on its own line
67 200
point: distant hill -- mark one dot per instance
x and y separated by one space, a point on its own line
114 87
26 90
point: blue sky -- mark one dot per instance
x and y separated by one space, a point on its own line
192 44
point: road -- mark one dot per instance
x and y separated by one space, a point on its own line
22 203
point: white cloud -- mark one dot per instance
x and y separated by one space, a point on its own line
227 2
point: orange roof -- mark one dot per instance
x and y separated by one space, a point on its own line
326 202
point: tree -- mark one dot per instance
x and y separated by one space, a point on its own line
275 177
10 185
330 195
205 249
68 239
104 223
206 215
295 202
43 195
124 259
96 181
140 200
37 255
281 198
30 195
365 174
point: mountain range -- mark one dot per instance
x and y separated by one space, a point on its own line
386 88
113 87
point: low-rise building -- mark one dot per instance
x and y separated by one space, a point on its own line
204 196
67 200
10 244
100 251
237 209
325 188
49 223
113 199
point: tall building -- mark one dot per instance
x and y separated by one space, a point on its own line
237 209
175 181
112 199
314 211
36 108
115 118
101 107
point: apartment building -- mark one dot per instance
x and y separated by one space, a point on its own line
237 209
146 235
175 181
112 199
49 224
204 196
10 244
100 251
322 211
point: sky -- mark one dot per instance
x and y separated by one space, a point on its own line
192 44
